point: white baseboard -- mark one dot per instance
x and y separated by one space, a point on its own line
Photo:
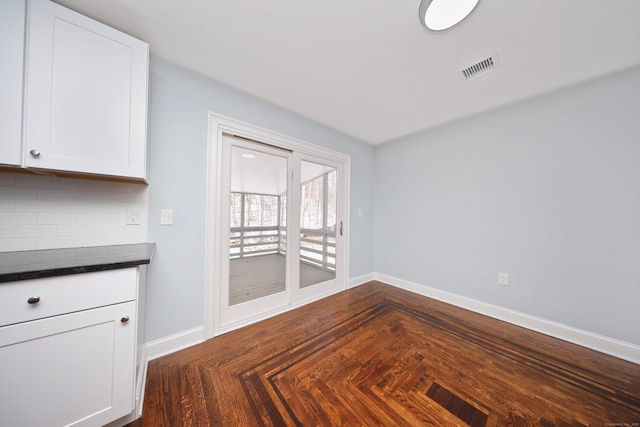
603 344
167 345
173 343
360 280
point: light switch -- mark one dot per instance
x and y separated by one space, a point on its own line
166 217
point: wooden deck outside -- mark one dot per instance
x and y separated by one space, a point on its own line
379 356
261 275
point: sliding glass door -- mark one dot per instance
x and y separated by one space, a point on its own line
256 185
282 220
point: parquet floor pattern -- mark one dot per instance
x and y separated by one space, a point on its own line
379 356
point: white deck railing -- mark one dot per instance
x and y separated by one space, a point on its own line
317 247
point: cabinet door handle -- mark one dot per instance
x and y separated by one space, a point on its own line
125 319
34 153
33 300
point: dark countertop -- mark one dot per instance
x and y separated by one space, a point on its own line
24 265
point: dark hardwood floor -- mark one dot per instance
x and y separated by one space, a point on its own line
379 356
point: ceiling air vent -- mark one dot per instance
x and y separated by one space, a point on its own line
481 67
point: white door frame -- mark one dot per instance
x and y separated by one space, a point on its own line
213 274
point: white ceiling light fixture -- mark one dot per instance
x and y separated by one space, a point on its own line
439 15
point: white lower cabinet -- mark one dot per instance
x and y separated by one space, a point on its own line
75 369
69 369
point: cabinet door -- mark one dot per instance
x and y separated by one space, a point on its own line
75 369
12 24
86 95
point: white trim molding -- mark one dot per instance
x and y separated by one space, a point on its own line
141 383
360 280
611 346
173 343
267 315
603 344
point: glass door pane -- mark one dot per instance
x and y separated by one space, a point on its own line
318 223
257 255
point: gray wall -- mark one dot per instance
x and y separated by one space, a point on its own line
179 104
547 190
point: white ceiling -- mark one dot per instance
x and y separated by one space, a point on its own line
264 173
367 67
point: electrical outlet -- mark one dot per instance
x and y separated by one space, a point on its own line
134 216
503 279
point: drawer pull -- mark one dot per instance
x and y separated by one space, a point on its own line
125 319
33 300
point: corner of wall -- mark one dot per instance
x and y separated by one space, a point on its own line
613 347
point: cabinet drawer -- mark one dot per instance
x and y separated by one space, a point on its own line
65 294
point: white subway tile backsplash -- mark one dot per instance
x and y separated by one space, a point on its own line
58 242
113 208
75 230
77 185
56 218
20 245
14 193
119 217
41 212
127 238
7 180
57 195
7 205
116 229
91 196
76 207
22 231
6 232
81 241
17 218
36 181
103 229
36 206
93 218
130 198
110 187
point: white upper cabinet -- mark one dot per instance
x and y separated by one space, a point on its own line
85 95
12 25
